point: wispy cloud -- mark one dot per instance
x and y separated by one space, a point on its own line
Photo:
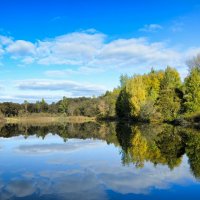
67 72
84 53
177 26
89 51
70 147
151 28
75 88
21 48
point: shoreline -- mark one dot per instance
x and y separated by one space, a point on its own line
47 119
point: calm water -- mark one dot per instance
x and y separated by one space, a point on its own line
92 161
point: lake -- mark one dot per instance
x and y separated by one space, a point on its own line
93 161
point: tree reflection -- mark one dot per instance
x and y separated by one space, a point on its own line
159 144
139 143
192 140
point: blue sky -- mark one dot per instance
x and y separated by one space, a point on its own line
76 48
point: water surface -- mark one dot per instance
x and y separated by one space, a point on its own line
92 161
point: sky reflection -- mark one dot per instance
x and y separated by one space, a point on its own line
80 169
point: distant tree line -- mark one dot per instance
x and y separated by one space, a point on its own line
102 106
155 96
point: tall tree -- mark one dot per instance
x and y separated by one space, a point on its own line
43 105
192 90
169 103
136 92
63 107
123 109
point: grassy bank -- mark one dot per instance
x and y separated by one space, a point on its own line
40 118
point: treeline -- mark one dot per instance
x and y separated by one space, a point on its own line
160 96
90 107
156 96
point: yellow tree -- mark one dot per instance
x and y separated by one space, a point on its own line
136 92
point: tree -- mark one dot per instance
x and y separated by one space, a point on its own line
152 82
38 107
192 150
63 107
138 96
110 99
71 108
169 103
43 106
123 109
9 109
192 90
148 111
136 93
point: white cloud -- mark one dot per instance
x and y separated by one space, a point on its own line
70 49
75 88
84 53
32 95
28 60
151 28
136 53
89 51
21 48
71 146
5 40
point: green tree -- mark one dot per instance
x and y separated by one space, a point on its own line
136 93
152 82
192 90
38 107
123 109
63 107
193 151
110 99
169 102
43 106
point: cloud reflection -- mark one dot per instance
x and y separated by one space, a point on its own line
20 188
84 175
68 147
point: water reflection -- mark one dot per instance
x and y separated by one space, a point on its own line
99 161
159 144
